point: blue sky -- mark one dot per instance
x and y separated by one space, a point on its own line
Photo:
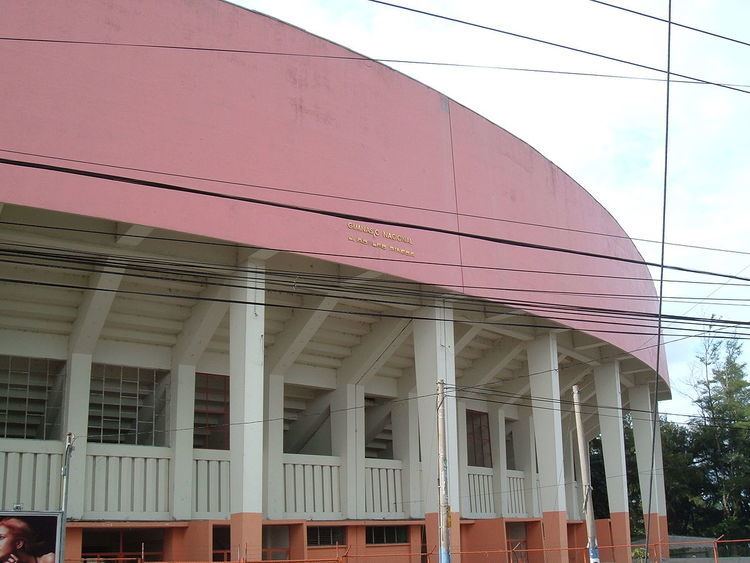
606 133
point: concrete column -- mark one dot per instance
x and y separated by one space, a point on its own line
348 443
405 425
544 381
609 401
524 452
572 487
181 420
641 411
77 390
246 321
499 460
463 454
434 360
274 446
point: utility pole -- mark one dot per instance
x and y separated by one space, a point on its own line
444 520
588 503
64 471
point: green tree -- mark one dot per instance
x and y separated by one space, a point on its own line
721 439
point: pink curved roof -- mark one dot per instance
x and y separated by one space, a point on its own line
292 123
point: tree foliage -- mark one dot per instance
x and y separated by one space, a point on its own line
706 462
721 439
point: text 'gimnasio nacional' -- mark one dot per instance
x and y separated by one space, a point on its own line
383 239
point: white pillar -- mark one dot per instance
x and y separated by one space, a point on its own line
274 446
499 460
544 379
545 400
641 412
181 420
524 452
645 445
434 360
246 322
405 425
609 404
77 390
463 454
347 442
572 497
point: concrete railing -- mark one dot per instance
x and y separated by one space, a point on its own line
30 474
383 495
126 482
480 495
210 484
312 486
516 494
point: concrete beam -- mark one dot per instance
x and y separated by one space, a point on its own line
198 330
93 311
374 350
298 331
308 423
131 235
491 364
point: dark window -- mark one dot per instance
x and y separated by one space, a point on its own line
119 545
31 394
479 451
326 535
386 534
211 427
220 551
128 405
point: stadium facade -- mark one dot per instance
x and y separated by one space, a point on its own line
236 260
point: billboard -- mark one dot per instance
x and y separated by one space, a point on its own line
30 537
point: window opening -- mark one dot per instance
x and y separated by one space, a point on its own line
31 396
128 405
479 449
211 423
386 534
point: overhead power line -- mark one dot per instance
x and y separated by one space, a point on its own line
673 23
554 44
363 58
217 243
300 191
55 257
351 216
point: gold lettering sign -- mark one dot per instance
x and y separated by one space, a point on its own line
382 239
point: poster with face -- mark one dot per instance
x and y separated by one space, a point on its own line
30 537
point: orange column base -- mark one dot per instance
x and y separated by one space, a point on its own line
73 544
658 538
484 540
620 528
555 536
246 533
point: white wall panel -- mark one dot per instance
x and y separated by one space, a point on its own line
30 474
127 482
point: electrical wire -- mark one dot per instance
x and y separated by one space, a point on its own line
311 287
381 203
310 252
674 24
367 59
655 415
350 216
553 44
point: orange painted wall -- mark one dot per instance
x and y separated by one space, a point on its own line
484 540
604 538
192 543
73 543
